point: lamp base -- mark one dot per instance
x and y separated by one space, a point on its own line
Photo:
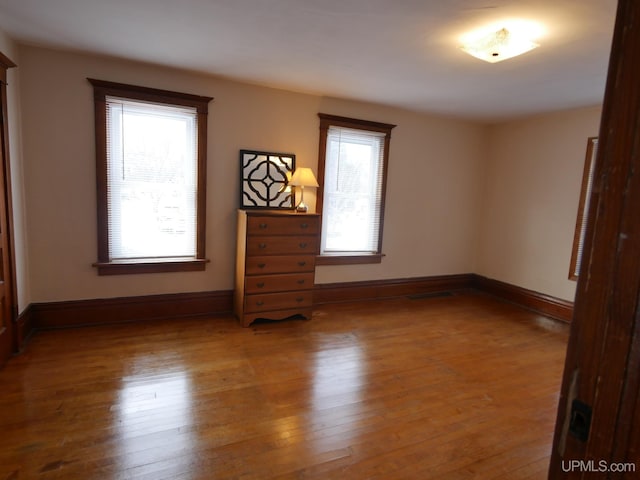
302 207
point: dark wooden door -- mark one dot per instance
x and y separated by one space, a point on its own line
6 277
598 424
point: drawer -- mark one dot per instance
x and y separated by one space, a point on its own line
280 245
280 264
278 283
278 301
283 225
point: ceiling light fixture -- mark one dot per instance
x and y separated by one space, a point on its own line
499 45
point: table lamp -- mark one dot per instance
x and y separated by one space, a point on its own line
303 177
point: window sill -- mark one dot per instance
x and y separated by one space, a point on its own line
345 259
137 266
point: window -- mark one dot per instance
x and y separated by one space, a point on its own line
151 179
583 208
352 167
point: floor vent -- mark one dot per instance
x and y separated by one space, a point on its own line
420 296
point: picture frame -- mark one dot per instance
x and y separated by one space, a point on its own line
264 178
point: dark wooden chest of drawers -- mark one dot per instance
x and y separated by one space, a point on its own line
275 264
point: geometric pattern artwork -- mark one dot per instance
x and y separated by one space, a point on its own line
264 177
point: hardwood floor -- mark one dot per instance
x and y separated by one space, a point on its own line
454 388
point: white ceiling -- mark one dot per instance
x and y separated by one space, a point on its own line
397 52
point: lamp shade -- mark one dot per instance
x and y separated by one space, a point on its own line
303 177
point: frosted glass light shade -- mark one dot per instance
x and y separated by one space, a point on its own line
499 45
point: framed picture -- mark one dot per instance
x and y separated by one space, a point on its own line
264 178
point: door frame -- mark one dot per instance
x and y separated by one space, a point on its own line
10 282
600 397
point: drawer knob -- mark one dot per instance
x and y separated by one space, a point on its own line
262 265
300 299
302 264
301 282
262 246
304 225
260 284
303 244
262 226
259 303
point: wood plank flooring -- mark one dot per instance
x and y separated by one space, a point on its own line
454 388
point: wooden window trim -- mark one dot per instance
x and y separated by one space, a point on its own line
124 267
585 192
327 121
348 259
102 89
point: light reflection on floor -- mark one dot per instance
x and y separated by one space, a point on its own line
339 382
153 414
155 407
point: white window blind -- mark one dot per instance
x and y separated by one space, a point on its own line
152 180
583 215
352 196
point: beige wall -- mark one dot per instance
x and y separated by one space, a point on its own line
496 200
433 197
10 49
433 194
533 176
